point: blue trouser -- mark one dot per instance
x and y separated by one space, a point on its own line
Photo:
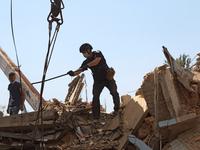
13 110
97 89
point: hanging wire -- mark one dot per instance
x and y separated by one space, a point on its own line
13 37
47 61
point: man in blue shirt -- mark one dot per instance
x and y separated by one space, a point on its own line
97 63
17 96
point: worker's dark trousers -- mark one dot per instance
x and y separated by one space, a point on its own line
97 89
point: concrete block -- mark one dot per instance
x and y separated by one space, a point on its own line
14 121
169 92
125 99
148 94
133 115
172 128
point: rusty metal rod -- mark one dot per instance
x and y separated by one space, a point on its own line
54 77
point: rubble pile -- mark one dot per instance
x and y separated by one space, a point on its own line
74 129
164 114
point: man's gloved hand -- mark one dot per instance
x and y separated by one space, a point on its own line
21 107
71 73
84 67
8 110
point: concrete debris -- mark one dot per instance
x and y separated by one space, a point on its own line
125 99
164 114
172 128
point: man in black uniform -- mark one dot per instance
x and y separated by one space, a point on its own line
97 63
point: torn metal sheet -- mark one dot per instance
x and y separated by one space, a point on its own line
8 66
183 75
137 142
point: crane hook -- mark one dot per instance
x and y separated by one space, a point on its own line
55 11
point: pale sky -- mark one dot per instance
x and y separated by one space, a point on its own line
129 33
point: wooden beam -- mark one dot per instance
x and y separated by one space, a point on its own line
183 75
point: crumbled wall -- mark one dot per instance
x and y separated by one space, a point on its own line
148 92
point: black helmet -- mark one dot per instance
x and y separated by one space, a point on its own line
84 47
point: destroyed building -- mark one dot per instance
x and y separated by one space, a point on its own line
164 114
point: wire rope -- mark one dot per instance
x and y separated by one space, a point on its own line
15 47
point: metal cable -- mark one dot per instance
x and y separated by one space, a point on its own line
47 61
13 37
55 77
152 136
53 40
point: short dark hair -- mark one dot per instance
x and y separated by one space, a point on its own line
11 74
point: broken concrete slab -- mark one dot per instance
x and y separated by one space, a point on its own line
131 119
148 92
30 117
172 128
14 122
134 113
176 144
27 126
15 135
169 92
125 99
